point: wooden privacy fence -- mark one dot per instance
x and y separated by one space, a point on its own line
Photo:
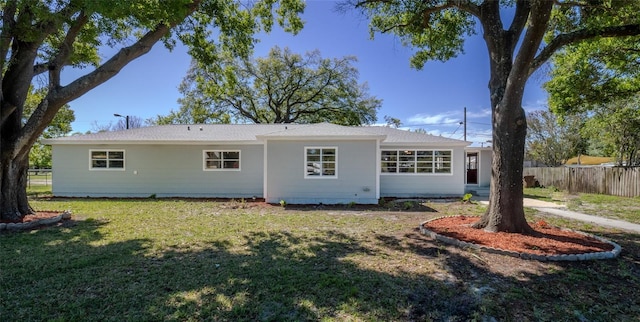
624 182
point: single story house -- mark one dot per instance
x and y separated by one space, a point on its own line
297 163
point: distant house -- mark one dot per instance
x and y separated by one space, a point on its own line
300 164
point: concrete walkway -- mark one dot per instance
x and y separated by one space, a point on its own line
562 211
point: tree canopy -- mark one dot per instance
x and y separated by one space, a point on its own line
282 87
520 35
39 40
616 126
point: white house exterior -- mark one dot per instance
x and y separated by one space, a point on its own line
300 164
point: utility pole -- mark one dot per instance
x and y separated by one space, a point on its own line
465 123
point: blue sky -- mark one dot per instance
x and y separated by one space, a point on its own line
432 98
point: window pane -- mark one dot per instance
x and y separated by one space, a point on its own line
99 163
313 169
116 164
214 164
231 155
231 164
330 158
311 152
98 154
444 169
213 155
389 166
313 158
328 169
116 155
389 155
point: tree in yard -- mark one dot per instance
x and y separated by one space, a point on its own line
438 28
617 126
281 88
39 39
552 141
601 76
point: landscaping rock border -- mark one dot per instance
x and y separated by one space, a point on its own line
36 223
552 258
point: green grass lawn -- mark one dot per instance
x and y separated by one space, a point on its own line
613 207
176 260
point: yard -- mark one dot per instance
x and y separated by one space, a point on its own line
193 260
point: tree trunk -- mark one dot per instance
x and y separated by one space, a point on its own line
14 204
506 210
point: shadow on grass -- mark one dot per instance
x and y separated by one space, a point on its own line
71 273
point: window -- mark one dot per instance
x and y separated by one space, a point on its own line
221 160
321 162
107 159
415 161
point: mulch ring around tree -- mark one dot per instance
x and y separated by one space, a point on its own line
35 220
547 243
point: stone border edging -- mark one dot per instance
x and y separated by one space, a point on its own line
35 223
552 258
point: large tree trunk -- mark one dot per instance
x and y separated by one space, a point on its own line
14 204
509 74
506 211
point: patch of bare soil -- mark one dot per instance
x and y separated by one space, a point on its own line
546 239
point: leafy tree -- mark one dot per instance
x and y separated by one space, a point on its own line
438 28
552 141
39 39
281 88
195 105
591 74
392 121
616 125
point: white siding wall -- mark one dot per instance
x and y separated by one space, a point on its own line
484 167
426 185
163 170
356 180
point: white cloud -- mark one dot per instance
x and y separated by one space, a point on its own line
486 112
448 118
535 106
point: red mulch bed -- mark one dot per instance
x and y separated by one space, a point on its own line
37 216
546 240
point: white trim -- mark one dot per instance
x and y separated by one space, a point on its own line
378 167
265 171
321 176
124 162
204 160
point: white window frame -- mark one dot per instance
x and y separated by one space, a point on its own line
107 168
434 162
321 176
204 160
